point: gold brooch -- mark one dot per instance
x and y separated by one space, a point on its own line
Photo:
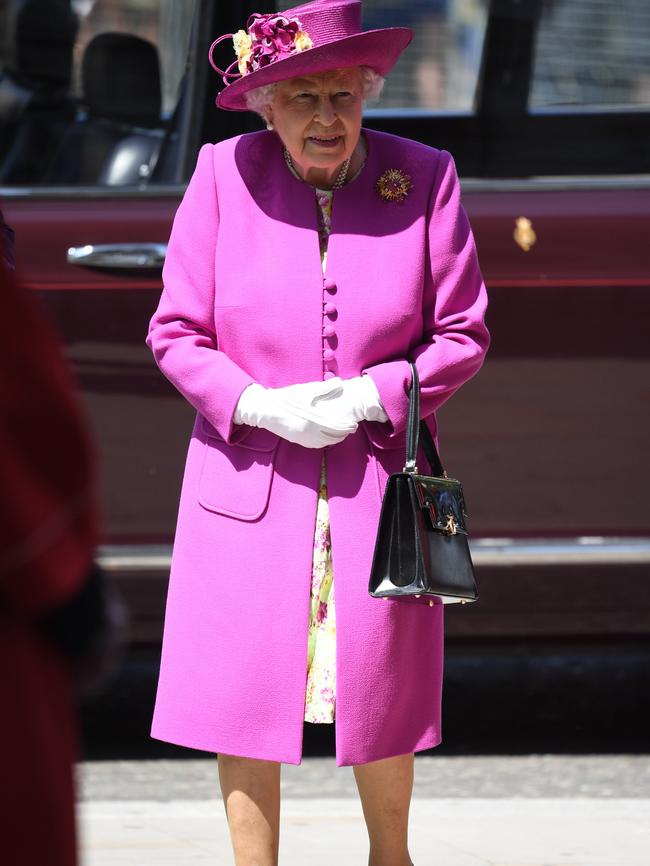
394 185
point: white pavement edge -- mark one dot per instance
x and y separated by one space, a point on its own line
443 832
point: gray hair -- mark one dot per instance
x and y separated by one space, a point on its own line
260 98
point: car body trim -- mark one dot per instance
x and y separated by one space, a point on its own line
485 551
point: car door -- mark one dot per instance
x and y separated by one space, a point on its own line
550 141
551 146
93 164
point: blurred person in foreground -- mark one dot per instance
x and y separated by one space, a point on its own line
60 629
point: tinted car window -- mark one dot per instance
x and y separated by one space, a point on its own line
592 53
88 88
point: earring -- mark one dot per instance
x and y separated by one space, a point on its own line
269 124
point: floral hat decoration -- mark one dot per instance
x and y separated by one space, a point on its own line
315 37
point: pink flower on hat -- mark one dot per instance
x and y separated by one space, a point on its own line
269 38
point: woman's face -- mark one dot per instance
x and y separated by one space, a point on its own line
318 118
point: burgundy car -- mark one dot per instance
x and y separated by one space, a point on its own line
103 106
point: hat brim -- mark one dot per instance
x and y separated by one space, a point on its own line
379 49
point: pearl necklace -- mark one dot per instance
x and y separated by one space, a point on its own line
340 180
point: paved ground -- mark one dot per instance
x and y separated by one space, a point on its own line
538 810
596 776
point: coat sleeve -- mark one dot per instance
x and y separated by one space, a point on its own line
455 337
182 334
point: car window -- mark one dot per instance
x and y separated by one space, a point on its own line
88 89
592 53
439 70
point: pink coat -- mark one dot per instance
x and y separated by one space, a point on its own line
245 301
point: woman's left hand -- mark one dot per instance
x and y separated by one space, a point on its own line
361 399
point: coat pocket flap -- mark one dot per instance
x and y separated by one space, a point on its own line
235 479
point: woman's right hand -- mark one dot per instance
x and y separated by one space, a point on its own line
288 413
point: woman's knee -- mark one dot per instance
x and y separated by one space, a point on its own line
248 774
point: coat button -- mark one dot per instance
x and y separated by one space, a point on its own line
329 307
328 354
329 331
330 286
329 374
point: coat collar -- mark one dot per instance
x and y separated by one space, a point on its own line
359 186
282 196
357 211
349 204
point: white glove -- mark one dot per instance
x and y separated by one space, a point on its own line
289 413
306 393
359 401
356 399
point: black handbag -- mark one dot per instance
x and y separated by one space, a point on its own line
421 547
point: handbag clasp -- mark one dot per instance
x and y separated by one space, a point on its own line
451 526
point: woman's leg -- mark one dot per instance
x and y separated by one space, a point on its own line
385 788
251 797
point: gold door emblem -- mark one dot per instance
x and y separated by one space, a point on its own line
524 234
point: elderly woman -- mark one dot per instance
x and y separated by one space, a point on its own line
308 264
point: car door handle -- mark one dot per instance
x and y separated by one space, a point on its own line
118 255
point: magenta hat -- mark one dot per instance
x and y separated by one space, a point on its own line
315 37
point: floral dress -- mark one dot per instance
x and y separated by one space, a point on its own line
321 657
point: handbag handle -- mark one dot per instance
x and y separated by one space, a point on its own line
417 427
